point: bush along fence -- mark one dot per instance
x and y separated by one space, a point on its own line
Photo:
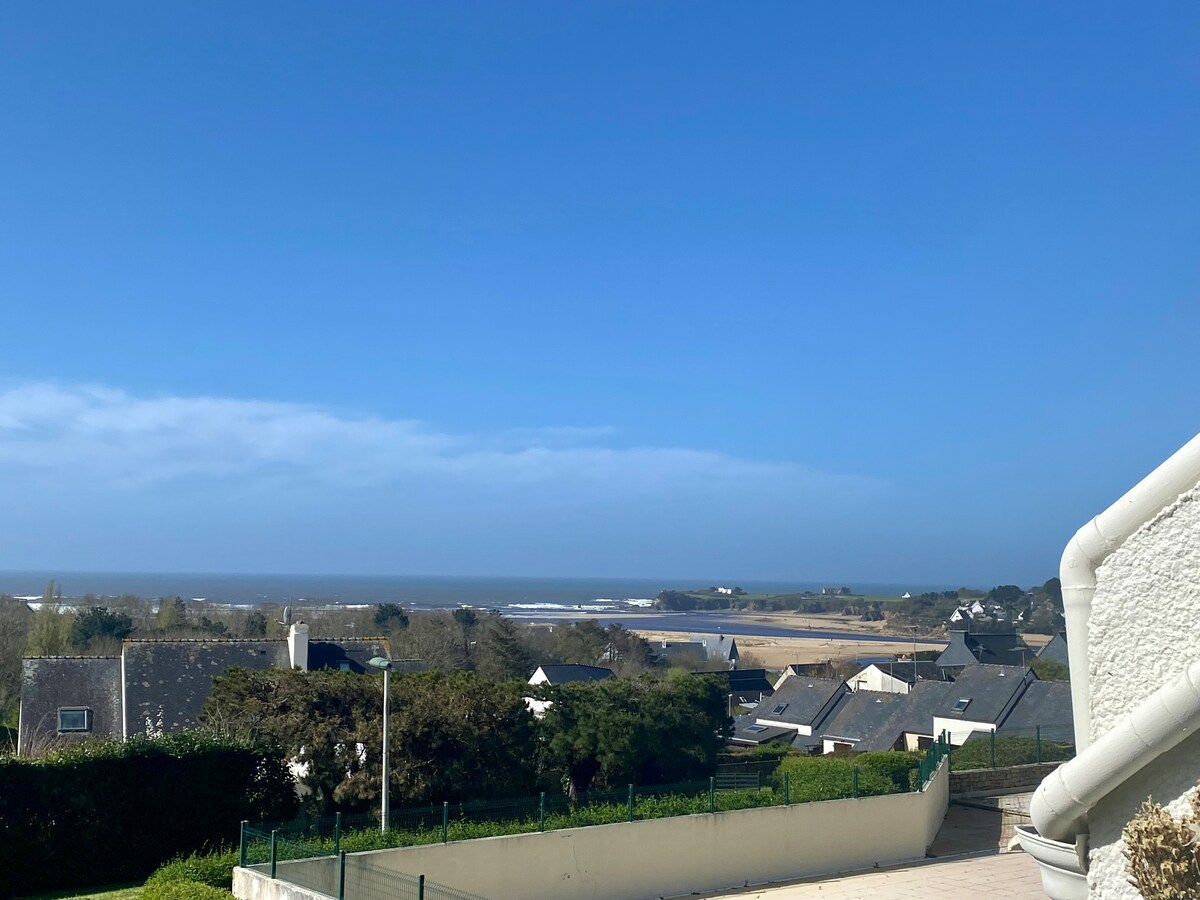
796 780
1015 747
111 812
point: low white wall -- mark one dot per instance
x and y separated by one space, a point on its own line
664 857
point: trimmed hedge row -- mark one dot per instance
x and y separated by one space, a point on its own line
111 812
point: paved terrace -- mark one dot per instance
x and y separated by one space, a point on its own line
968 860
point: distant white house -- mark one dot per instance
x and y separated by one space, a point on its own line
724 590
561 674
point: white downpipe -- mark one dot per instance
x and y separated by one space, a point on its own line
1093 544
1061 802
1163 720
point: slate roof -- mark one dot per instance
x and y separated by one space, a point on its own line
810 670
967 649
761 733
565 674
50 682
925 670
167 682
860 715
912 714
1055 649
992 690
719 647
352 655
744 682
1046 704
806 699
685 653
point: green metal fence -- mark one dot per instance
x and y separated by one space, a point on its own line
313 853
1015 747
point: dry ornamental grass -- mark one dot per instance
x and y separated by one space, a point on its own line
1163 854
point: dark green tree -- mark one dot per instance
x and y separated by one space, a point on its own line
454 736
254 625
390 618
622 731
501 653
97 623
1053 589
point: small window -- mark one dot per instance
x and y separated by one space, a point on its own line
755 729
962 704
74 718
343 665
778 709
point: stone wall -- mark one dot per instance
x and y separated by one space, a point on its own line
1008 780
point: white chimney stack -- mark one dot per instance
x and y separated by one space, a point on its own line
298 646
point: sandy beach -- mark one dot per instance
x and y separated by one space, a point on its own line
777 652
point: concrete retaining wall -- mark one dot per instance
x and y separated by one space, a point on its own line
664 857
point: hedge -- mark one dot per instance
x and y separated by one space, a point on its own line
213 869
185 890
111 812
829 778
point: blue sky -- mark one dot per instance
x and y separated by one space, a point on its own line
875 292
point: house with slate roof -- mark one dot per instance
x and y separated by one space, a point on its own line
565 674
745 687
897 677
1055 649
802 704
554 675
160 686
827 716
1044 711
980 699
968 649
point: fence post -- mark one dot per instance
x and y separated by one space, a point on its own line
993 749
712 794
341 876
787 788
855 773
337 832
445 820
420 887
1038 742
273 833
242 844
542 812
631 803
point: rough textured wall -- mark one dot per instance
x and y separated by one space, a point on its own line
1144 631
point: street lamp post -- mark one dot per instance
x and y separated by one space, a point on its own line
385 664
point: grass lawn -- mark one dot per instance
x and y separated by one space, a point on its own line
127 892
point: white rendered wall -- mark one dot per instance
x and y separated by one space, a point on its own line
1144 631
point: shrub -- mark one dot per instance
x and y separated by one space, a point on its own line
828 778
213 869
112 812
899 767
184 890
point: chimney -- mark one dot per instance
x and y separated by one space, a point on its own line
298 646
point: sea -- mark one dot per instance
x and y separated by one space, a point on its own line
623 601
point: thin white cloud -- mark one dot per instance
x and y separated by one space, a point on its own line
108 436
